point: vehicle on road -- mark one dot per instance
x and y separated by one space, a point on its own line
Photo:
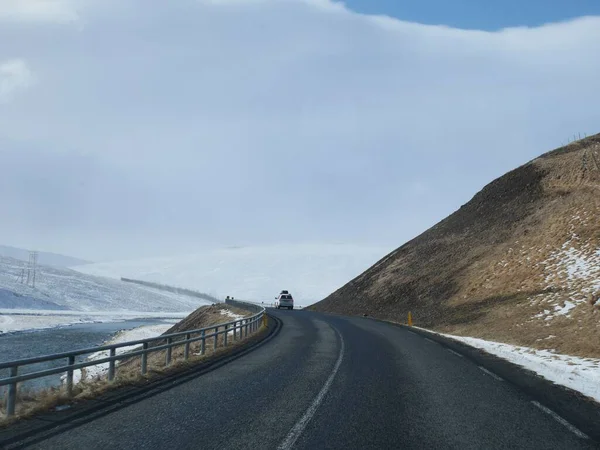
284 300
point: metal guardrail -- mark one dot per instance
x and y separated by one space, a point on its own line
241 328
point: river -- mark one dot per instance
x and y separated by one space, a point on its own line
28 344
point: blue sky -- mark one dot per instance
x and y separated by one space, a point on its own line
131 128
479 14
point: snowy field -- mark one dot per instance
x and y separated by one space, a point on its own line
10 323
71 290
63 296
579 374
309 272
13 320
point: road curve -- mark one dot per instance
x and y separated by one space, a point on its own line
326 382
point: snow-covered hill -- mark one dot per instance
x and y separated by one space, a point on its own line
45 258
65 289
310 272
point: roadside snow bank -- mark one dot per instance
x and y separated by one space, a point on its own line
143 332
579 374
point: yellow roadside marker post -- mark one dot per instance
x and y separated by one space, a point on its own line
410 319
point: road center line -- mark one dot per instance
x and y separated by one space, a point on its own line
560 420
456 353
297 430
491 374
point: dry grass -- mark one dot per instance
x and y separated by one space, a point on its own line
519 268
128 372
494 267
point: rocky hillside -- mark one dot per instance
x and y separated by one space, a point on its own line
519 263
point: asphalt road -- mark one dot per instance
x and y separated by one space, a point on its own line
326 382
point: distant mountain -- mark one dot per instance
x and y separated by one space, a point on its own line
256 273
45 258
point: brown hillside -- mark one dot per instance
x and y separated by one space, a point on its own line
519 263
206 316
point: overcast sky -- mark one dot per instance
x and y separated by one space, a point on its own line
134 128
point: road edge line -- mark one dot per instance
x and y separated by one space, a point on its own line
572 428
581 410
490 373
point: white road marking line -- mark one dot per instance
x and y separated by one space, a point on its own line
433 342
456 353
560 420
492 374
297 430
411 332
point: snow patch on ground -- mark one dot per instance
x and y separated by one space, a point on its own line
564 310
231 314
571 274
580 374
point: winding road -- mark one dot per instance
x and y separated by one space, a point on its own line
320 382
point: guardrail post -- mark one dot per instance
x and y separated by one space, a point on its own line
235 330
111 365
70 377
225 338
11 398
186 350
216 338
169 350
202 342
145 358
246 328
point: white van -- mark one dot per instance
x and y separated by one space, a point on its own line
284 300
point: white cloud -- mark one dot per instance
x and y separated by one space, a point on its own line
38 10
163 123
322 4
15 75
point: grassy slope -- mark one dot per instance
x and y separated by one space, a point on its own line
505 264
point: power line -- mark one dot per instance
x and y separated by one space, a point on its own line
32 268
